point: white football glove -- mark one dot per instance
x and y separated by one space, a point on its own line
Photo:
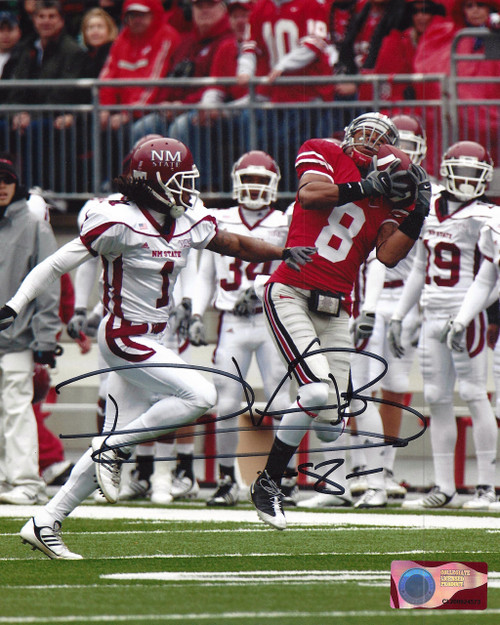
197 331
180 317
453 335
363 325
394 337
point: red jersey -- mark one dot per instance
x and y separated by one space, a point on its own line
276 30
344 235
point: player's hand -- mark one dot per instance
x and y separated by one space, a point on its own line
379 182
453 335
76 323
7 316
180 317
363 325
394 337
246 303
297 257
197 331
492 333
424 189
47 357
91 325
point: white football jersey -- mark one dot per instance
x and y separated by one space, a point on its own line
233 275
448 247
140 264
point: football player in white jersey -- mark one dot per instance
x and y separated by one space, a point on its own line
444 268
143 240
242 332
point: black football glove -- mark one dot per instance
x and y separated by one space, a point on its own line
424 189
297 257
7 316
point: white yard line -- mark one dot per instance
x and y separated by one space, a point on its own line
295 518
352 614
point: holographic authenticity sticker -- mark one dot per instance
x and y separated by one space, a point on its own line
439 585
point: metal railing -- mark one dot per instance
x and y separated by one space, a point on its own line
81 160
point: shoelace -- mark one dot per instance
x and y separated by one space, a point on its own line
112 462
270 486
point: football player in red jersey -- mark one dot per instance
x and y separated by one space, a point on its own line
342 209
143 240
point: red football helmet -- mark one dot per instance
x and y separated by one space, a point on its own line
167 167
128 157
255 180
466 169
412 139
368 132
41 383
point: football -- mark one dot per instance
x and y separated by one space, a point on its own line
386 155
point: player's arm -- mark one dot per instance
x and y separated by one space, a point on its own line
48 271
394 242
319 192
256 250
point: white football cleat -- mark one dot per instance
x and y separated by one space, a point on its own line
485 495
184 486
48 540
434 499
108 467
373 498
326 500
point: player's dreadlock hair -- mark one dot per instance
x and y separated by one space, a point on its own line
139 192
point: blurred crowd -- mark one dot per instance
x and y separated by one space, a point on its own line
150 39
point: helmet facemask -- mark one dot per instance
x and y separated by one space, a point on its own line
413 145
255 180
364 136
466 180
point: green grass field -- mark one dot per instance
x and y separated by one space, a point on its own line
175 565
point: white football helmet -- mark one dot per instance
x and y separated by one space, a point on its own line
368 132
255 180
412 139
466 169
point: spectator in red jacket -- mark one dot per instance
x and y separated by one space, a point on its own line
193 58
398 49
478 123
143 49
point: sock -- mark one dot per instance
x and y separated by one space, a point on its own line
225 470
278 459
185 463
443 431
165 450
144 466
185 448
485 434
81 483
